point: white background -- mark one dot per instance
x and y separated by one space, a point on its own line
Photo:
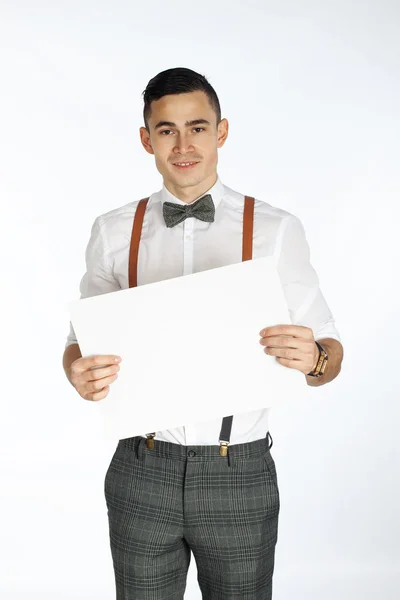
311 91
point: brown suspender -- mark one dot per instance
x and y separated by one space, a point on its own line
247 246
135 240
248 221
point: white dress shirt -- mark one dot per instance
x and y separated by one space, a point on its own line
194 246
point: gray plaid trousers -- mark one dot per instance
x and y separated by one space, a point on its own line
167 501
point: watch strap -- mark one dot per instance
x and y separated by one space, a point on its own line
321 363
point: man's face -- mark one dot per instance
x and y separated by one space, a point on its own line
183 129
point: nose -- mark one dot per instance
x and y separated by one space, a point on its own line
182 144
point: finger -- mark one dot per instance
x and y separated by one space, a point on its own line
291 364
287 353
95 386
98 395
286 342
272 330
98 361
93 374
293 330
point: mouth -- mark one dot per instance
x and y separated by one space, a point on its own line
185 165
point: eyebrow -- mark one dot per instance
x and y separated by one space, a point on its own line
187 124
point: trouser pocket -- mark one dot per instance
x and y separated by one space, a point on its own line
270 465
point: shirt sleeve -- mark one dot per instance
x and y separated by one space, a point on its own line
300 282
98 278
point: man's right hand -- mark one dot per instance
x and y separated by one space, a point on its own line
92 375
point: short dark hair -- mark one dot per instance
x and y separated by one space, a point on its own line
178 81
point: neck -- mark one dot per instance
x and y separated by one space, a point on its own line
190 193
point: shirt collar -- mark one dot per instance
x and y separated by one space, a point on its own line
217 192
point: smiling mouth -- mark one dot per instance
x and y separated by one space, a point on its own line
185 165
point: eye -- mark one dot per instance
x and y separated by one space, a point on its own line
168 130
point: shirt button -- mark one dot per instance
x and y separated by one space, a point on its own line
191 453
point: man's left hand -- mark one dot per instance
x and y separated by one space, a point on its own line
293 345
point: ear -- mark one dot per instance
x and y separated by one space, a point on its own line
222 132
145 139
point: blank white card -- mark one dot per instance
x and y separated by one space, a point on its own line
190 347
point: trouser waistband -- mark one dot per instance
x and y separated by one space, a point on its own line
164 449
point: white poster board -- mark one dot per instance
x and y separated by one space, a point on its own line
189 346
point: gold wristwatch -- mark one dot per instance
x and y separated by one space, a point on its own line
321 364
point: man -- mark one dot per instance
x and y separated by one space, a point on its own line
172 492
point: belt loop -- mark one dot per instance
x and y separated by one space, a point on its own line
272 441
139 449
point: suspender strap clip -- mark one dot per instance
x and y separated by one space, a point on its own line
223 448
150 440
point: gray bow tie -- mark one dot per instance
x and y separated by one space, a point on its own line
202 209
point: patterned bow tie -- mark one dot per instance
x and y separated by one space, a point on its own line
202 209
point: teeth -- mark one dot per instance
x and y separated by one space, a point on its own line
184 164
